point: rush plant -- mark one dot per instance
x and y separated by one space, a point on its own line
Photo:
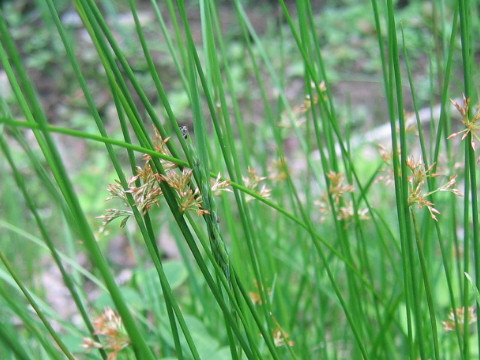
320 250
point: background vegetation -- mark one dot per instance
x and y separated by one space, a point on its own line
283 179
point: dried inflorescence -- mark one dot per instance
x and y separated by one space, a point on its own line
190 199
323 206
280 338
471 123
338 189
387 176
113 336
418 178
160 146
346 212
218 185
252 182
112 214
146 191
145 195
255 295
459 315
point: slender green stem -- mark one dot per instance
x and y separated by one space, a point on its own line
34 305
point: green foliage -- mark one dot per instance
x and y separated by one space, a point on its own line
263 220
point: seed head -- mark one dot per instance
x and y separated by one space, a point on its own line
471 123
109 327
218 186
336 187
459 315
189 199
252 182
255 295
280 337
347 212
416 181
160 146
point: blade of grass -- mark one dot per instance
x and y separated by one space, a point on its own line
120 143
48 241
466 37
34 305
62 179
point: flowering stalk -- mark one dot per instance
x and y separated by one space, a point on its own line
219 249
114 338
146 191
470 121
417 179
338 190
456 319
252 182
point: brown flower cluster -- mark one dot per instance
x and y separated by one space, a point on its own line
387 176
471 123
323 206
218 185
109 327
146 191
418 178
459 315
280 338
338 189
189 199
346 212
252 182
255 295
